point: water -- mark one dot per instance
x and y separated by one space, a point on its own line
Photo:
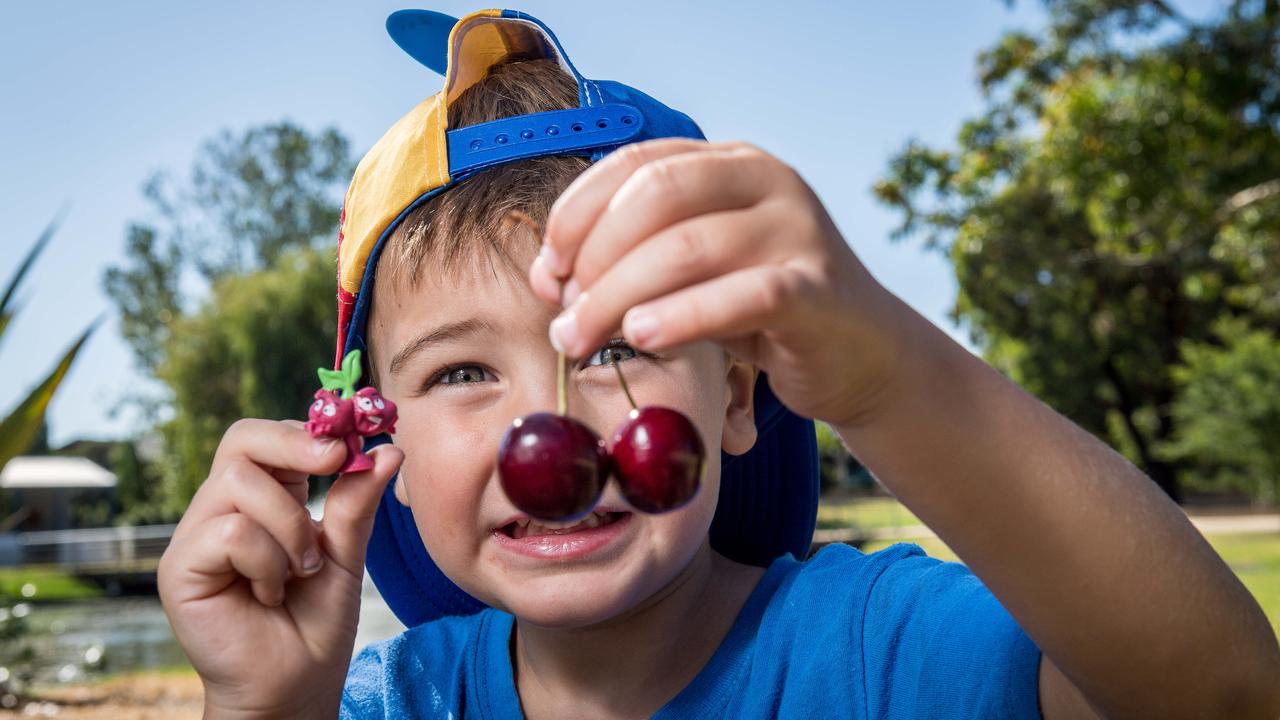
128 634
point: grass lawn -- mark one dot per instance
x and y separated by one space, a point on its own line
1255 558
46 584
866 514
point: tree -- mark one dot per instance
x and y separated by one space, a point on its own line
1228 416
227 298
1112 202
250 351
250 198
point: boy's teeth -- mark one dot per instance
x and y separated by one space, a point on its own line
525 528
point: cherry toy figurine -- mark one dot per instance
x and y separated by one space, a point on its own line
330 416
374 413
352 414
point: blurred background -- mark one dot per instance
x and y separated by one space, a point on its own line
1085 193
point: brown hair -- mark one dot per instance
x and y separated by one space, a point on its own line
466 223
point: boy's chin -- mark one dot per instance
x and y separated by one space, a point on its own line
572 601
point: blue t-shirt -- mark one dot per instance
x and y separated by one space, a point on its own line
891 634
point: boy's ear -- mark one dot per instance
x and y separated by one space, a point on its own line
740 417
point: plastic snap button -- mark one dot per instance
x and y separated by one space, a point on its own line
553 130
476 144
501 139
526 133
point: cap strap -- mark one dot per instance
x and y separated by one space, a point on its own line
476 147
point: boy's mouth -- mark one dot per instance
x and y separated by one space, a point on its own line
527 527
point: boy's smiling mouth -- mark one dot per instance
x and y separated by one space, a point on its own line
526 527
546 540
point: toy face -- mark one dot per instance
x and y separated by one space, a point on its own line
330 415
373 413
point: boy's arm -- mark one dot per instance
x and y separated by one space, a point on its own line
1105 573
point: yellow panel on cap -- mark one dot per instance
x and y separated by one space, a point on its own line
409 160
412 158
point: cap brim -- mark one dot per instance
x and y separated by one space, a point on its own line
424 35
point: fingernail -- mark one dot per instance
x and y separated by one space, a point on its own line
321 446
311 561
553 260
640 326
571 292
564 332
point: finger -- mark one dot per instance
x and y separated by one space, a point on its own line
245 488
222 550
350 506
667 191
725 308
681 255
575 211
279 445
294 480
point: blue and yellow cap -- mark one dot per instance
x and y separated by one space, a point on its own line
768 496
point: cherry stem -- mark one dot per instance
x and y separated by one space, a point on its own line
613 360
519 217
562 397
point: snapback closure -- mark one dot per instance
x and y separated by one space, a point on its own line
556 132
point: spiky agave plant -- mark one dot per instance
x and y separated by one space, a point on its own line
18 429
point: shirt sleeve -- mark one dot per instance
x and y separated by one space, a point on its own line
362 693
937 644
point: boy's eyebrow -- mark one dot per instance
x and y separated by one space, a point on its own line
444 333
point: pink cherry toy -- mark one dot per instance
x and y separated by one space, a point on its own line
340 411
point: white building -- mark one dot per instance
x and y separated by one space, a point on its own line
42 492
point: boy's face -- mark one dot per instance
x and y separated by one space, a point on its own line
458 394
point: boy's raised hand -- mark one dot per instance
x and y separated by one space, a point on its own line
679 240
270 632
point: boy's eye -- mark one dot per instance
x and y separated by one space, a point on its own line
615 350
465 375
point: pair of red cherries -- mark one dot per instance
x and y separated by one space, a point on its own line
555 468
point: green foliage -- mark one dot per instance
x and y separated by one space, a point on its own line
836 466
1228 411
227 297
1117 196
246 353
25 423
139 498
250 198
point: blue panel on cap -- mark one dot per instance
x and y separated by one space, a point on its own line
424 35
556 132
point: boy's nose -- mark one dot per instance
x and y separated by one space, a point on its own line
538 391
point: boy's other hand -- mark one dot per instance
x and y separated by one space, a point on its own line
679 240
263 599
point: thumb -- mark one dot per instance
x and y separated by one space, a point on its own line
350 506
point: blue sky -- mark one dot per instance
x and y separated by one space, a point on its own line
100 95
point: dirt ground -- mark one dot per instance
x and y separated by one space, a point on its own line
168 696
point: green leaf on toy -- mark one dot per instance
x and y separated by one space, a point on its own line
351 367
344 379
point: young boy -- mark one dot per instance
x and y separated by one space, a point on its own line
718 278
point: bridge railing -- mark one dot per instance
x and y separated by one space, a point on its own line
113 546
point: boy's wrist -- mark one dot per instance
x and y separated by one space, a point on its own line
909 347
319 706
213 712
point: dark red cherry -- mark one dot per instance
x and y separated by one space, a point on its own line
552 467
657 457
